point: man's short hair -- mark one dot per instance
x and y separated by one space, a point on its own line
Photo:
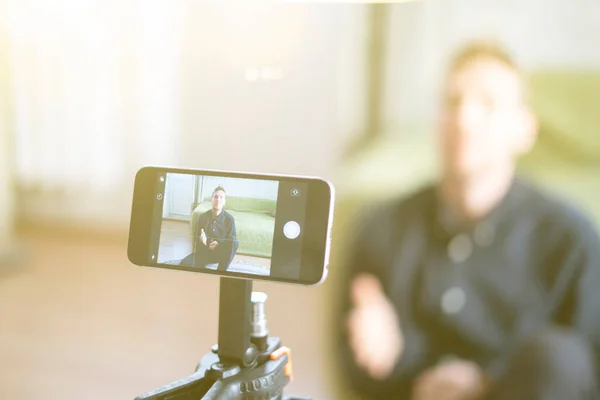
490 49
219 188
486 48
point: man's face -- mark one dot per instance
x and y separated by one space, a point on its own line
485 123
218 200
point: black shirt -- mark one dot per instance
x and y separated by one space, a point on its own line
476 293
219 228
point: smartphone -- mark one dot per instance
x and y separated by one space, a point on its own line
232 224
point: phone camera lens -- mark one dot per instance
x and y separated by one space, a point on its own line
295 192
159 196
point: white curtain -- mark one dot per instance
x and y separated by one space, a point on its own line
101 88
6 187
95 90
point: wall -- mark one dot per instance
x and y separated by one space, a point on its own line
254 188
179 191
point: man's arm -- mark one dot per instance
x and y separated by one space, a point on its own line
201 223
370 255
232 232
573 265
586 298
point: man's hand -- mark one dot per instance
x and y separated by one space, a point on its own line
213 245
203 236
454 380
375 336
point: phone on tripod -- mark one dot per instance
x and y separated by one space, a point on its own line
253 226
242 227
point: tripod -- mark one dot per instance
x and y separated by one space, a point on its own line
246 364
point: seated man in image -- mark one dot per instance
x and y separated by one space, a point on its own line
481 286
216 238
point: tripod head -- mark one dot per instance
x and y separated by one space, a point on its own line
246 364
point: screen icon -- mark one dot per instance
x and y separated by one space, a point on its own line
295 192
291 230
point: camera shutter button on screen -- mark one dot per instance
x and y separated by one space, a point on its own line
291 230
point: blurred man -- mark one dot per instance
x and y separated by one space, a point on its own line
216 237
481 287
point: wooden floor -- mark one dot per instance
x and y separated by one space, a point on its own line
175 240
78 321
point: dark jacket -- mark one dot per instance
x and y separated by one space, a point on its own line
532 262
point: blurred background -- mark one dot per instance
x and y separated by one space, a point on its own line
91 91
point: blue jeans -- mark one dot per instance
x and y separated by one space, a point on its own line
223 255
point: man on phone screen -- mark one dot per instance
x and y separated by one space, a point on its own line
481 286
216 238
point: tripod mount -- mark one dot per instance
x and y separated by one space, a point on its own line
246 364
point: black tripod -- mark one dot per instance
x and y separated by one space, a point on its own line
247 364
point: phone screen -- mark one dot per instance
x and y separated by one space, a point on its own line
234 224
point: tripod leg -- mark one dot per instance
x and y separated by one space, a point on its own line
192 387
